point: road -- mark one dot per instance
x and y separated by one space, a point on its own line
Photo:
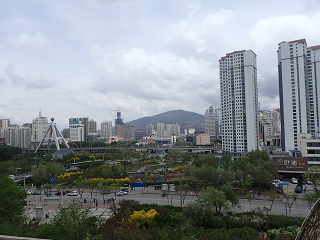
149 196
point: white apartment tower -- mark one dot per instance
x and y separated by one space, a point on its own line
239 102
161 128
39 128
106 129
299 85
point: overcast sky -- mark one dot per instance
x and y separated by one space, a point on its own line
86 58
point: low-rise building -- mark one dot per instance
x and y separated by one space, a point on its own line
309 147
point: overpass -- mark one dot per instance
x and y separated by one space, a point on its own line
203 149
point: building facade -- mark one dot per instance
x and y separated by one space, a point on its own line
309 147
211 123
77 131
150 129
4 123
299 85
203 139
239 102
82 121
106 129
39 128
16 136
161 129
270 128
92 126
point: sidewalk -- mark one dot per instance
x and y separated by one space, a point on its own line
102 210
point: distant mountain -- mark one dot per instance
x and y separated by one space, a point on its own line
185 119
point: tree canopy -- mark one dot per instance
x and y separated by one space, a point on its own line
13 200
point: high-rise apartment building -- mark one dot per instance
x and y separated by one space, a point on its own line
239 102
150 129
106 129
299 85
172 129
211 123
17 136
4 123
161 129
39 128
92 126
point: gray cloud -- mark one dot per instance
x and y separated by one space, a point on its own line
32 81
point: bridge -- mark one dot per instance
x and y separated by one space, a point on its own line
310 228
204 149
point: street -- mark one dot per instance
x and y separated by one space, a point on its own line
150 196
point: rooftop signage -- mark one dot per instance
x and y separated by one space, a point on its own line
291 163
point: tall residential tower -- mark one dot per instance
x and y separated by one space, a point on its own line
299 85
239 102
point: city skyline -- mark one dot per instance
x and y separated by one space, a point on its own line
86 58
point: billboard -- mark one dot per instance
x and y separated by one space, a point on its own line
291 163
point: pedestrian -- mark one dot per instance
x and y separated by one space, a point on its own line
104 201
94 200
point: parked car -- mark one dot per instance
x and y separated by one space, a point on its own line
59 193
275 182
309 182
120 193
29 192
298 189
294 180
73 193
36 193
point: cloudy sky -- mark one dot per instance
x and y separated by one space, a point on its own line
86 58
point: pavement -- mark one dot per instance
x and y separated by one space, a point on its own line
102 210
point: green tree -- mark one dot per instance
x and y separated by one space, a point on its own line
310 198
206 160
212 197
249 198
73 222
256 167
13 200
271 196
174 154
313 174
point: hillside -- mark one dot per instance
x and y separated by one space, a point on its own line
184 118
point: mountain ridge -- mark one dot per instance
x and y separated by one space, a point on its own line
185 119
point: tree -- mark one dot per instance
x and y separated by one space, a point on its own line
212 197
13 200
206 160
313 174
256 167
73 221
183 190
271 196
174 154
249 198
310 198
289 199
231 196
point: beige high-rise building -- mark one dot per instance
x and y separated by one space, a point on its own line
39 128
